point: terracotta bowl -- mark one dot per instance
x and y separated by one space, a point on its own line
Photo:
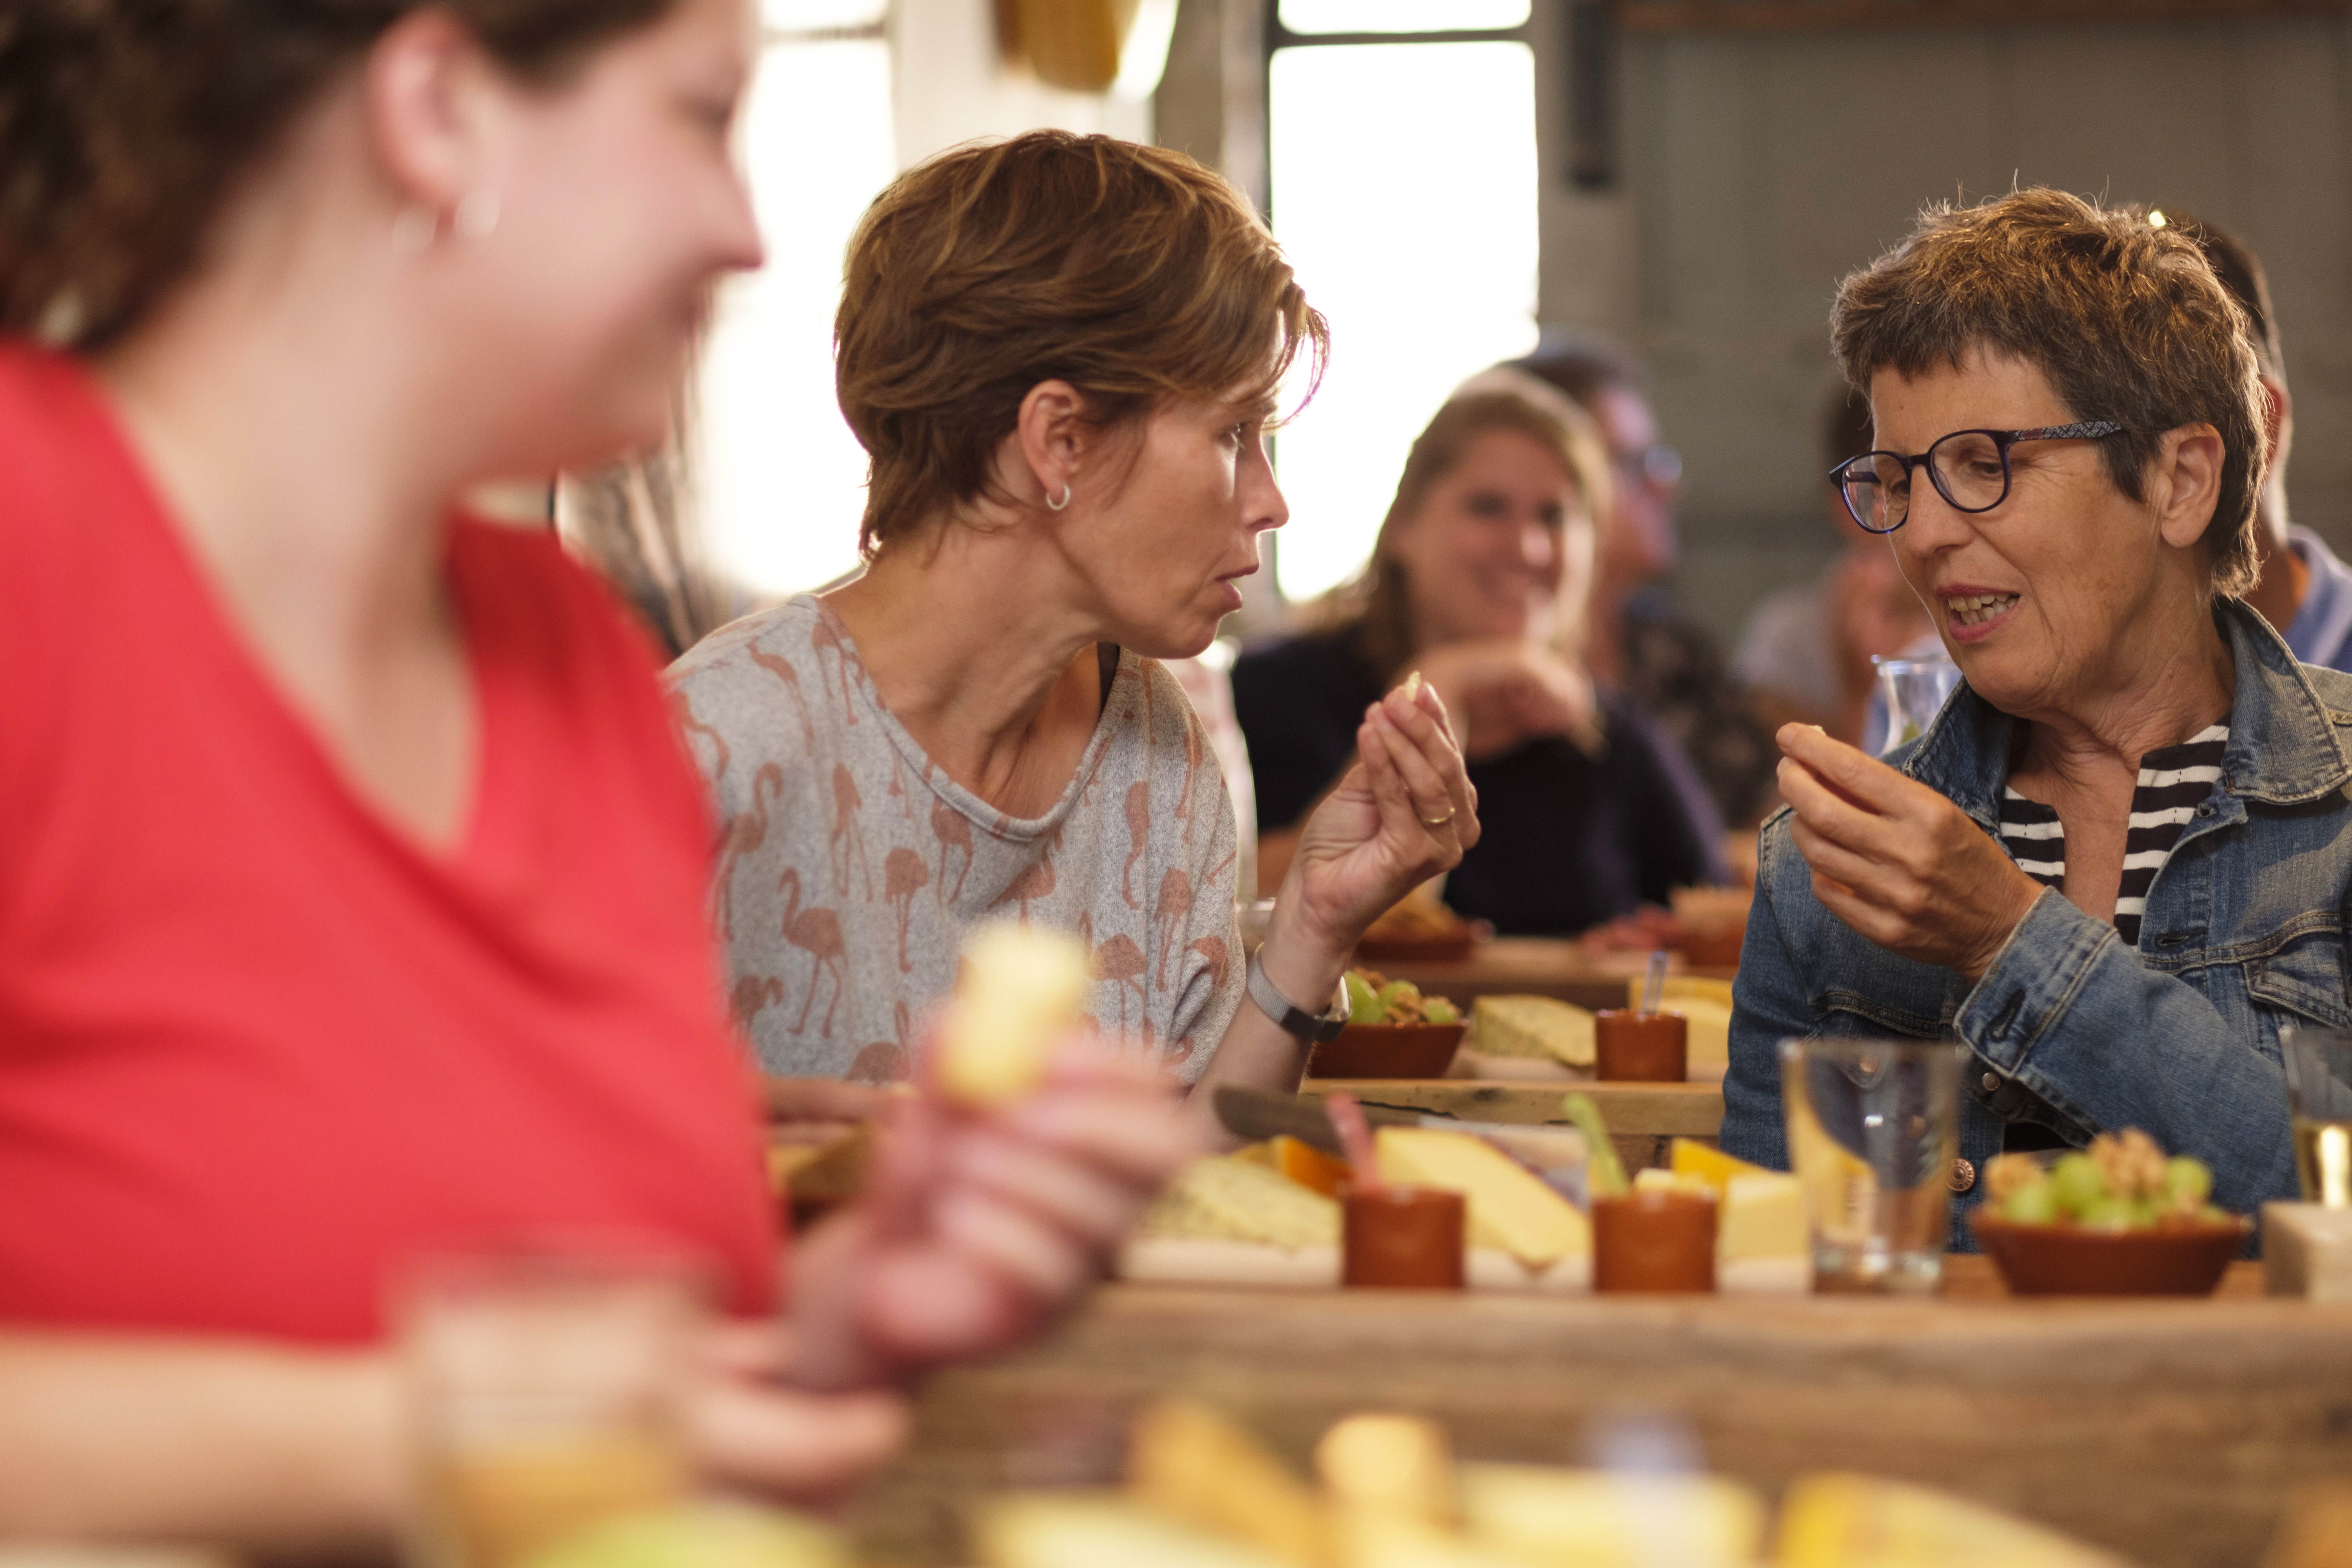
1388 1050
2065 1260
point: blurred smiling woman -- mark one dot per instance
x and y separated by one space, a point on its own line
2116 865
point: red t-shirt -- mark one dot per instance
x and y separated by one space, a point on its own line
256 1048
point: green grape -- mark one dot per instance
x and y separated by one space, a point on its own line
2033 1204
2107 1213
1400 990
1438 1010
2212 1215
2078 1182
2187 1182
1364 1004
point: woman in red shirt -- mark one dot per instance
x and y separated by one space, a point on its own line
350 875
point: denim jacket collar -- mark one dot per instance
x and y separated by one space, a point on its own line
2284 742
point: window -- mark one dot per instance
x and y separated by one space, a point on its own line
1402 141
780 478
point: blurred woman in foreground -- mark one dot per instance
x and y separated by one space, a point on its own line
2117 864
1062 353
1479 579
350 875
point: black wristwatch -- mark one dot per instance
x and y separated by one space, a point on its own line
1293 1020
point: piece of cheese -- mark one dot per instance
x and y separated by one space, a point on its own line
1020 992
1189 1462
1654 1180
1375 1541
1536 1027
1400 1468
1091 1530
2307 1251
1510 1207
1596 1519
1233 1199
1837 1520
1710 1165
1763 1215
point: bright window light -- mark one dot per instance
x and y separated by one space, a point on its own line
819 16
1404 192
1401 16
781 480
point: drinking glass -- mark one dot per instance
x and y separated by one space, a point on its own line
548 1390
1915 690
2319 1108
1872 1128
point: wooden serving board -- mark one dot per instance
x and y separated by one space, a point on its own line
1533 966
1642 1118
2172 1432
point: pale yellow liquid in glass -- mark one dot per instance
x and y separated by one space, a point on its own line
501 1502
2323 1159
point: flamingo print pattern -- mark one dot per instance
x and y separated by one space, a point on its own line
836 956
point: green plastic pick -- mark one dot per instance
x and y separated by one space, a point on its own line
1604 1173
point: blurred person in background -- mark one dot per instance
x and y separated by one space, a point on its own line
2112 868
350 875
1060 353
1805 655
1641 644
1479 579
2305 591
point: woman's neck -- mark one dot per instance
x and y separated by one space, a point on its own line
973 644
2103 735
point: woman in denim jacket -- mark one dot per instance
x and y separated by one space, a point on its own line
2116 864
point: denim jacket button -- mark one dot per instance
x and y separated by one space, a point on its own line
1964 1175
1991 1081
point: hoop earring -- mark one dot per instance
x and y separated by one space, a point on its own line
1053 505
477 217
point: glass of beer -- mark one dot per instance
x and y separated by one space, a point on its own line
2320 1106
548 1391
1872 1128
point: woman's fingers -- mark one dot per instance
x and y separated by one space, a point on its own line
808 1448
1435 806
1036 1258
1830 814
1093 1208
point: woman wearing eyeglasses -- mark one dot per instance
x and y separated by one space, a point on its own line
2115 865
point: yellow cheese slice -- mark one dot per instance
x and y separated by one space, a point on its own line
1020 994
1226 1197
1090 1530
1860 1521
1593 1519
1535 1026
1510 1206
1191 1462
1710 1165
1763 1215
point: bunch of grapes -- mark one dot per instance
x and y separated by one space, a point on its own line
2122 1182
1373 998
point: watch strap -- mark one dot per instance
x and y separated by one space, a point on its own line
1314 1028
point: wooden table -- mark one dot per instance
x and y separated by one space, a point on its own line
2172 1432
1535 966
1642 1118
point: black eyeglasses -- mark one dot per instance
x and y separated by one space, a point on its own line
1968 468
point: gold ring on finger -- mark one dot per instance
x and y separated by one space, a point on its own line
1437 821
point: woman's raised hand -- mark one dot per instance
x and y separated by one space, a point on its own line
1896 860
1503 691
1403 813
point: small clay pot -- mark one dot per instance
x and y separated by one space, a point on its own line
1641 1047
1402 1239
1654 1241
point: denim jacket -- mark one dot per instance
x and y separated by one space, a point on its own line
2244 932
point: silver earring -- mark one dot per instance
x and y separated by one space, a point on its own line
1053 505
414 229
477 217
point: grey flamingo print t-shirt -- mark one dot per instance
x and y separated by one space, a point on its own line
849 866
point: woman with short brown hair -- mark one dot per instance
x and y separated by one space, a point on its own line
351 880
2116 865
1062 353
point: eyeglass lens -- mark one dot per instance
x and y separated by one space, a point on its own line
1966 466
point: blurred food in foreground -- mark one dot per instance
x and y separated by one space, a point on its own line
701 1535
1203 1492
1021 992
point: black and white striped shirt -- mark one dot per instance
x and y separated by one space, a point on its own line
2172 782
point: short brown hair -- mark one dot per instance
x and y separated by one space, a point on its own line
1378 602
2125 318
1131 272
124 124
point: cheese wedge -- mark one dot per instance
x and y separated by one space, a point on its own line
1710 1165
1593 1519
1231 1199
1534 1026
2307 1251
1301 1162
1189 1462
1838 1520
1763 1215
1021 992
1510 1207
